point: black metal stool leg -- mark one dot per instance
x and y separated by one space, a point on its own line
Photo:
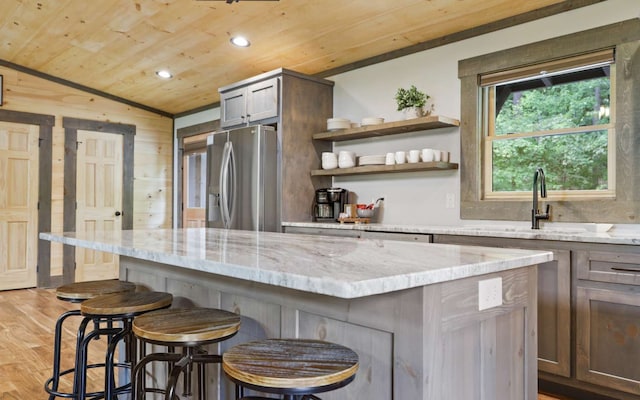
57 344
175 374
109 369
186 376
202 382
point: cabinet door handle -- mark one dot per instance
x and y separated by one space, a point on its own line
620 269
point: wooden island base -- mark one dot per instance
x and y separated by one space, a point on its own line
428 342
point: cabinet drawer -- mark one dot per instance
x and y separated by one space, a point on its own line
406 237
606 266
323 231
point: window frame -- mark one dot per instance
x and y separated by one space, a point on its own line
622 205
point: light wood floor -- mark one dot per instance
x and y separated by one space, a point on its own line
27 320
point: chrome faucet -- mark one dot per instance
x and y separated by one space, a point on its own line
535 213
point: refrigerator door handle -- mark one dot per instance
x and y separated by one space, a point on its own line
224 195
233 198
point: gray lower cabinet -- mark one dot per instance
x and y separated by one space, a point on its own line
588 314
608 319
554 299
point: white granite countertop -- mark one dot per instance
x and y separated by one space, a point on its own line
585 233
339 267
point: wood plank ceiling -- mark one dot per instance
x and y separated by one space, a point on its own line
115 46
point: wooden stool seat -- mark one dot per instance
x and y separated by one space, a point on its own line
292 366
129 303
80 291
183 326
187 328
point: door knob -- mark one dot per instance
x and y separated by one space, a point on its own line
118 213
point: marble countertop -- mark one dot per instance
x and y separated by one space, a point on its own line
585 233
339 267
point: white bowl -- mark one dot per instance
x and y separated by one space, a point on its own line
338 123
372 121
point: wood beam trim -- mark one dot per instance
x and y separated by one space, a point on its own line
21 117
209 126
463 35
74 85
591 40
45 166
98 126
69 203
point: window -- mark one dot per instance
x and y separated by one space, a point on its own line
555 115
610 196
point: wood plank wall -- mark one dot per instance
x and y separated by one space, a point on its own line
153 145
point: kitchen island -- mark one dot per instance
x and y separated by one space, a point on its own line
410 310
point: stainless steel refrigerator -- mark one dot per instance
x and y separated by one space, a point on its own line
242 179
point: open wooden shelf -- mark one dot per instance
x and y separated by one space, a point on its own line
377 169
389 128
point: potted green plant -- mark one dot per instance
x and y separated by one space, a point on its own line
412 102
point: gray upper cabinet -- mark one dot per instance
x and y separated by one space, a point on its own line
249 104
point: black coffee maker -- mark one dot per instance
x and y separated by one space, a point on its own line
329 203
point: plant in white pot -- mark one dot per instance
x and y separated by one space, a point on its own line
412 102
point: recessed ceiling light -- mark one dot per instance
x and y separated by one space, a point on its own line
240 41
164 74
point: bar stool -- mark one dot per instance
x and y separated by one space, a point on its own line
115 308
186 328
77 293
294 368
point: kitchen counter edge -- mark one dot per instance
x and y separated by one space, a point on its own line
622 236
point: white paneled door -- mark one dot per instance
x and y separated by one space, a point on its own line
99 200
18 205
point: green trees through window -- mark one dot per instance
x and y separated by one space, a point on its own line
560 122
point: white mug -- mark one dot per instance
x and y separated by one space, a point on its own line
346 159
401 157
414 156
390 159
427 155
444 156
329 160
437 155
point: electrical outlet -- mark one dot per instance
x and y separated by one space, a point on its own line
451 200
489 293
